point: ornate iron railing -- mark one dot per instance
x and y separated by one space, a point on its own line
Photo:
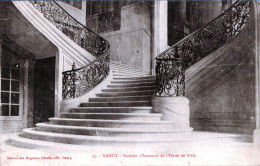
171 64
78 81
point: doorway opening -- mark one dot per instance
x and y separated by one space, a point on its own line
44 89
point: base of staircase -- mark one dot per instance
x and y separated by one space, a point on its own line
74 141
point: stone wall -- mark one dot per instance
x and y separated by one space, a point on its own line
128 32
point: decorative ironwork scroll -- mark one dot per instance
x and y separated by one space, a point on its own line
78 81
170 77
196 46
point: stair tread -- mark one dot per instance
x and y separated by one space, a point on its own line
126 77
140 80
112 102
114 121
124 114
120 97
144 107
137 130
87 138
123 88
127 92
133 83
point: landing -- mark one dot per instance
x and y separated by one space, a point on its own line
199 148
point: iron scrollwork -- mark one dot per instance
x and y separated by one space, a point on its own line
78 81
196 46
170 80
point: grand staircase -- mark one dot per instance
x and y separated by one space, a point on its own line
121 113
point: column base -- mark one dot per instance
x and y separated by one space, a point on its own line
175 109
256 137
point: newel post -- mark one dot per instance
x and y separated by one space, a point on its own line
169 99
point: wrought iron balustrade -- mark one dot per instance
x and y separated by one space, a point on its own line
78 81
171 64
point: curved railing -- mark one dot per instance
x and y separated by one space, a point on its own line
171 64
78 81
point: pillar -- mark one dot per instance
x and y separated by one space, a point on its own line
160 29
58 80
256 134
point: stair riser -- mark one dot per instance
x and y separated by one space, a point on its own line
124 94
131 85
110 111
120 99
128 89
71 140
139 77
111 117
122 68
57 139
89 132
133 81
128 71
128 74
119 104
112 124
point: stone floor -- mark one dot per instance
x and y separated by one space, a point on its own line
207 149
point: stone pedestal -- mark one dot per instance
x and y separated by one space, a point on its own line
175 109
256 137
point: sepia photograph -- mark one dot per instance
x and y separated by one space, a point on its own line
129 82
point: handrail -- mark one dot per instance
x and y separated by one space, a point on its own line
170 73
78 81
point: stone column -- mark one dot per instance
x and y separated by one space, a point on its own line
183 24
256 134
58 80
160 29
163 25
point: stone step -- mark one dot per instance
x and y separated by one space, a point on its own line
112 123
123 98
115 62
133 93
116 104
132 81
30 134
133 75
67 142
128 73
117 85
113 116
98 131
133 78
127 89
123 68
111 110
